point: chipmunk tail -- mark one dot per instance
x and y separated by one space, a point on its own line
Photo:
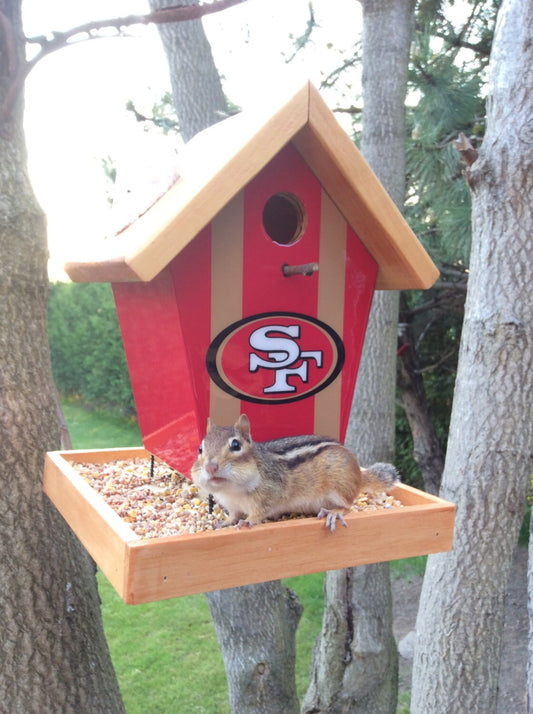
380 477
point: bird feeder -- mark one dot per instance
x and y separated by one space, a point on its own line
247 288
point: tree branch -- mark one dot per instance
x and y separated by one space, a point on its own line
300 42
90 30
455 272
461 287
432 367
465 148
348 110
331 78
481 47
177 13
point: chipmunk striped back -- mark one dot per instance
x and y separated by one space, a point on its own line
259 480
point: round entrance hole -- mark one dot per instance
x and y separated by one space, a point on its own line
284 218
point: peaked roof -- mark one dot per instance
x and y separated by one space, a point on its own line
221 160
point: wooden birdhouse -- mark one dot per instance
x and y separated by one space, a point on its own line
246 288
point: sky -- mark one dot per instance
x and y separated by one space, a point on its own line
76 98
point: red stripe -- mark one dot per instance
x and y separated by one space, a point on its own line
265 288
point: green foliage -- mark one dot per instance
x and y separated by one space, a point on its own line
469 27
109 166
86 347
450 102
404 459
447 97
437 331
435 320
523 536
163 115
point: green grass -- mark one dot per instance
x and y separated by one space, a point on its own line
98 429
408 568
310 591
165 653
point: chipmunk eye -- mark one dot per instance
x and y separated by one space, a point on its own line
235 445
200 449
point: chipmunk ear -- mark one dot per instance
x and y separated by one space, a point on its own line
210 425
243 425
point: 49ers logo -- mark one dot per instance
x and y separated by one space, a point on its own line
275 357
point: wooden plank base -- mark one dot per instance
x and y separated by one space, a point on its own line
159 568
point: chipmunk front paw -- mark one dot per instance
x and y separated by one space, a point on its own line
243 522
331 518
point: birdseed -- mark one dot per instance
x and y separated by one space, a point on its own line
162 502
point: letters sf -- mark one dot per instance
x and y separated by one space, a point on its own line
283 356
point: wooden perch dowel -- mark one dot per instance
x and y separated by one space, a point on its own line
305 269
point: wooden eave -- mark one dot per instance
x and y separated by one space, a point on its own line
222 160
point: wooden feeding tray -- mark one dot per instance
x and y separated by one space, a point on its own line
148 569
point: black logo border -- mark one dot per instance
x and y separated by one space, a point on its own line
213 348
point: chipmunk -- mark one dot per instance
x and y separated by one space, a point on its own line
254 481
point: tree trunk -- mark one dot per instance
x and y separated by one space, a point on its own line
54 654
196 88
255 625
428 451
355 661
488 462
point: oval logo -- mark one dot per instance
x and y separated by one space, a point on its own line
275 357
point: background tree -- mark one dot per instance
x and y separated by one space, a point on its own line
255 624
488 462
355 660
54 654
197 92
447 75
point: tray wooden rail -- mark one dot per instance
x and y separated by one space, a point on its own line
145 570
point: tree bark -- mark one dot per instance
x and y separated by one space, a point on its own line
196 87
54 654
355 660
488 462
256 627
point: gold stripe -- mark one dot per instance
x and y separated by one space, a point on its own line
331 276
226 292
